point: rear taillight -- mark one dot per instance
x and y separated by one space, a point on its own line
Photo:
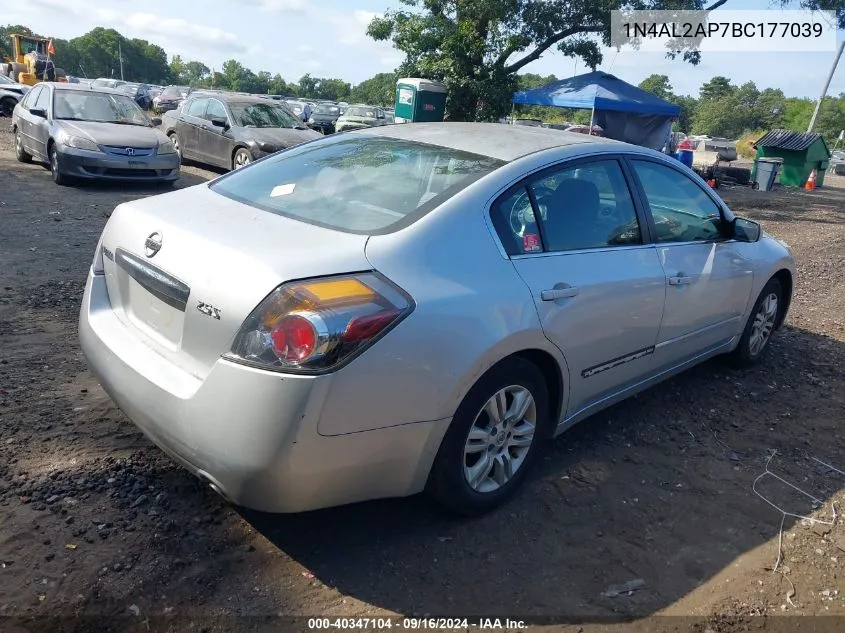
97 266
318 325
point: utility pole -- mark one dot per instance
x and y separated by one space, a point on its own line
120 55
826 86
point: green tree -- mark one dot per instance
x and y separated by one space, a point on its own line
716 88
379 90
477 47
659 86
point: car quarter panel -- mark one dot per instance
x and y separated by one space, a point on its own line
472 310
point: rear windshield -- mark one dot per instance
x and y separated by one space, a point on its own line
175 91
327 109
367 185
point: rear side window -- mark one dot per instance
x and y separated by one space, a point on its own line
364 184
578 207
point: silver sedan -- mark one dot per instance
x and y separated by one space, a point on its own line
416 307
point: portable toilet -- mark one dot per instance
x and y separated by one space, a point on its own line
419 100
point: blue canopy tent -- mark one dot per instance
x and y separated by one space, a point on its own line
625 112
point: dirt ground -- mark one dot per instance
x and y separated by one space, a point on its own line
646 513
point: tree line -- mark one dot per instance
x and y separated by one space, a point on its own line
722 108
479 49
98 54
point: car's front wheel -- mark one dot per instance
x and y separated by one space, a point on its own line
55 170
493 440
174 140
20 153
760 325
242 158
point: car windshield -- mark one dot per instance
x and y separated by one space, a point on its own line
175 92
326 109
360 185
367 113
129 89
78 105
263 115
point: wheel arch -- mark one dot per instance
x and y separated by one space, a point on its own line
551 364
784 276
238 146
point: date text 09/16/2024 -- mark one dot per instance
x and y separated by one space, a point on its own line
423 624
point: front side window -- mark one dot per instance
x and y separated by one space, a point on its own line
580 207
365 185
31 97
43 100
682 211
197 108
216 111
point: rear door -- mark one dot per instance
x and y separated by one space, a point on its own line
25 118
597 284
191 120
708 278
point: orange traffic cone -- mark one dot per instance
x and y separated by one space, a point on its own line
811 181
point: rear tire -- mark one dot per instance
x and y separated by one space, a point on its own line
481 461
174 139
20 153
760 326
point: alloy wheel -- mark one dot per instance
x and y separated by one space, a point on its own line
499 439
242 159
764 323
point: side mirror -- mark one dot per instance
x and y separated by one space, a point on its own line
746 230
156 121
41 112
220 122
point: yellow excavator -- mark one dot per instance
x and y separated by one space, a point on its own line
31 61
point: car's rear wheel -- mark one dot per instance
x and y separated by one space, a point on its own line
20 153
493 440
242 158
58 177
761 324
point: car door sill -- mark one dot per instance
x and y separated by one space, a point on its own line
629 391
698 332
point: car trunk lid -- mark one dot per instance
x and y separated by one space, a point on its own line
185 269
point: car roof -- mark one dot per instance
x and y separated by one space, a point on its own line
496 140
82 87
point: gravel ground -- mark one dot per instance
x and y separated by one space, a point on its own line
98 525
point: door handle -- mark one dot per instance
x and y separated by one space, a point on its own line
559 293
679 280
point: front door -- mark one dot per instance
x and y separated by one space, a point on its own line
598 287
708 278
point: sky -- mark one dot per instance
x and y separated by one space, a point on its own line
327 38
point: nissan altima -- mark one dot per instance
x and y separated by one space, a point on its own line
416 307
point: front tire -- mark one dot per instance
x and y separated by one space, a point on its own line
241 158
494 439
761 324
20 153
55 170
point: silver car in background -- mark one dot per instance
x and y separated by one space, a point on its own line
91 134
416 307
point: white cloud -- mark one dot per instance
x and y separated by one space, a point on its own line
306 48
293 6
174 34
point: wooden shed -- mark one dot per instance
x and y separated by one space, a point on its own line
800 152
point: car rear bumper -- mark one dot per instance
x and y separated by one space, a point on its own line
251 434
81 163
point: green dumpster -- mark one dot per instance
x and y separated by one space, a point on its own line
419 100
